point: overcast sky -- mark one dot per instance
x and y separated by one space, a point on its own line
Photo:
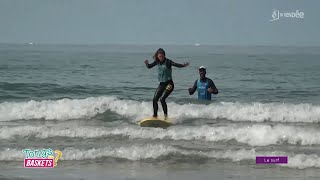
217 22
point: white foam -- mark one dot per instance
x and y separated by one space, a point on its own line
254 135
149 151
65 109
131 153
256 112
303 161
11 155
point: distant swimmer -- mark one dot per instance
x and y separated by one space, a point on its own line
204 85
166 85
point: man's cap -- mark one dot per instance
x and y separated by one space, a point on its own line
202 67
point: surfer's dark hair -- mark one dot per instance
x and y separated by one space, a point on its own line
160 50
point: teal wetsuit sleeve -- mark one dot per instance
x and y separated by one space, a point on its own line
176 64
211 84
152 64
193 89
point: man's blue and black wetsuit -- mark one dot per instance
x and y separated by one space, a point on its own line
166 85
202 86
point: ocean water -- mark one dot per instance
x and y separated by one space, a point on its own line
86 101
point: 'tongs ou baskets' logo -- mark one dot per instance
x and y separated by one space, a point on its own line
45 158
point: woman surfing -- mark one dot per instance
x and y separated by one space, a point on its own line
166 85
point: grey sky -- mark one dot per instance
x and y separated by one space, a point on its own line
232 22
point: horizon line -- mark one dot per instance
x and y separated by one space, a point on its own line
155 44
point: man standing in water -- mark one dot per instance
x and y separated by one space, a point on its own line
204 85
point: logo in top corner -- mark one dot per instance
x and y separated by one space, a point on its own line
276 14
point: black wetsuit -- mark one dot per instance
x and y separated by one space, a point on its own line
164 88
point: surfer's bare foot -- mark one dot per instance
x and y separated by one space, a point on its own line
155 116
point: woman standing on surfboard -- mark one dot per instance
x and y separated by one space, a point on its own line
166 85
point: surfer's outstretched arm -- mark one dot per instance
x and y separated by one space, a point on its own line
150 65
179 65
193 89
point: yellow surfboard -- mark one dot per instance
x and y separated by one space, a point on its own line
155 122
